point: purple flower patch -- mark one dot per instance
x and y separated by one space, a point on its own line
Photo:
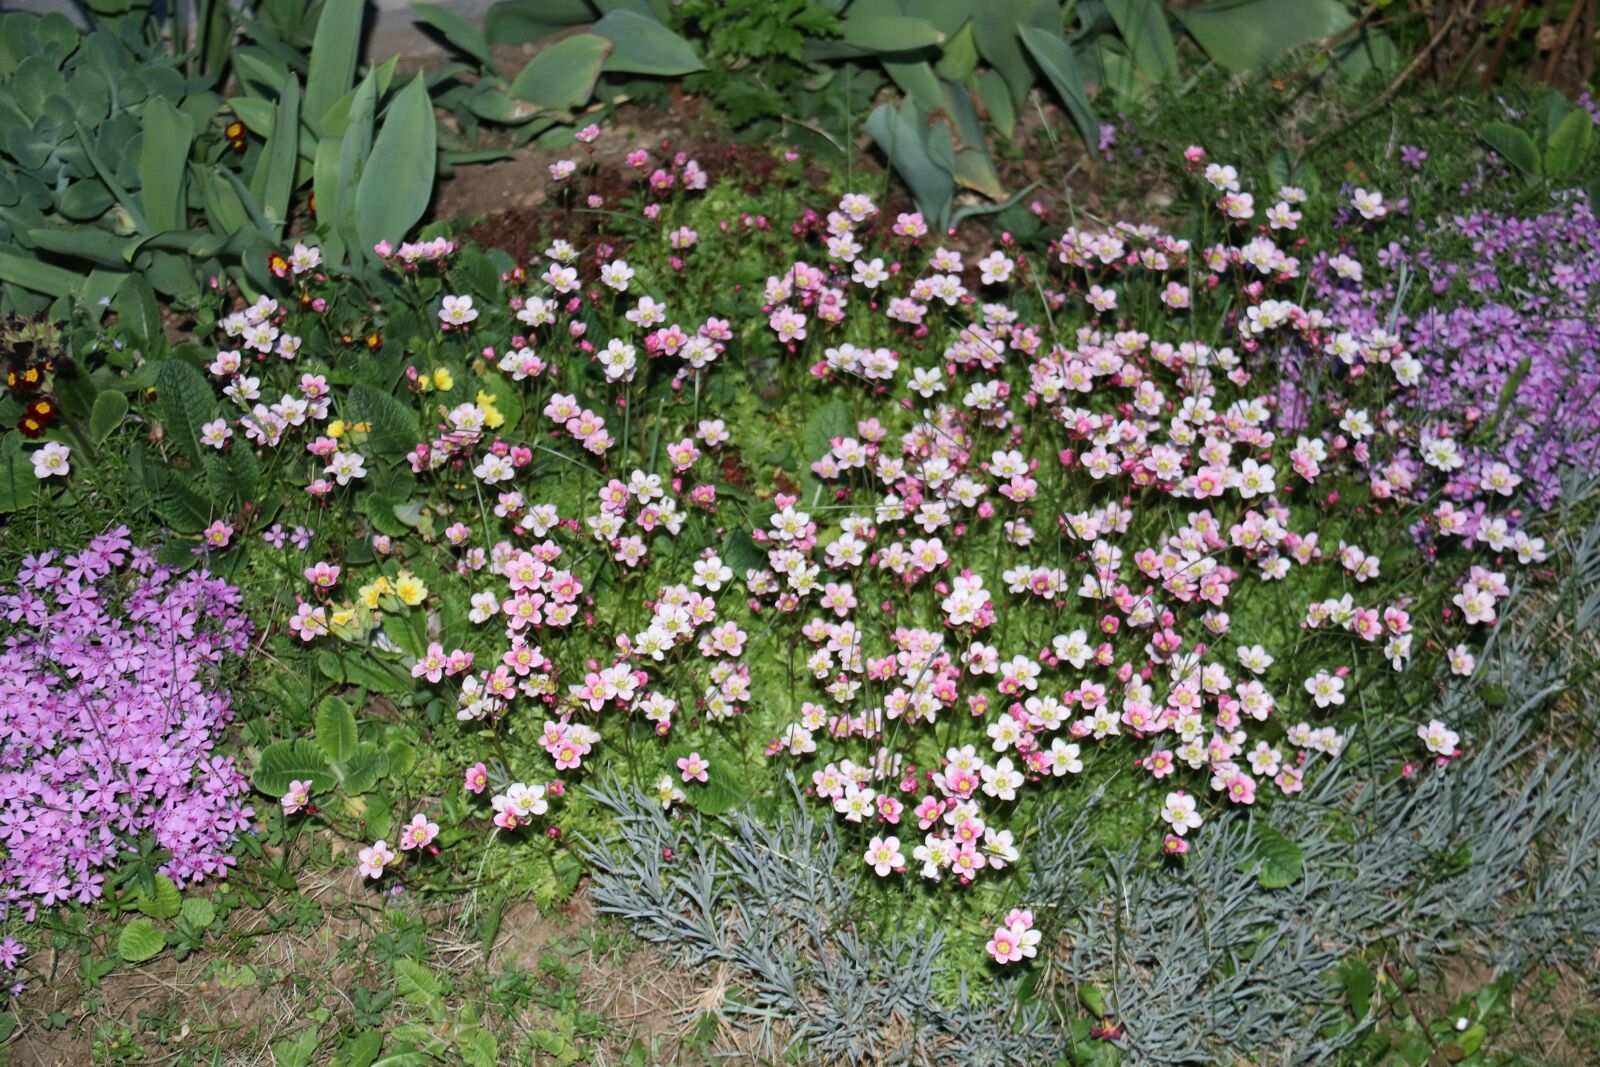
109 680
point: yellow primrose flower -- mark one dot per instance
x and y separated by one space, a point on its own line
369 593
485 399
336 428
409 588
443 380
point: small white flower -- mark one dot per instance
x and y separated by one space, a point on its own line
457 311
52 460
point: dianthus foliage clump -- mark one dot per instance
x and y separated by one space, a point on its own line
109 680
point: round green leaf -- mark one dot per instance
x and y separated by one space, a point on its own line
1282 862
140 941
198 912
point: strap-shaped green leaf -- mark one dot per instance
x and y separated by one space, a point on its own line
397 181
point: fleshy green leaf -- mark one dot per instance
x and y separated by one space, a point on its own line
645 46
1055 58
924 156
397 181
1242 34
459 31
273 183
889 34
526 21
163 160
38 277
334 52
562 76
1143 26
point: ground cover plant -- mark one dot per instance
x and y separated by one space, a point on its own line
970 644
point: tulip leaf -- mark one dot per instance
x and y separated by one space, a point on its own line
1242 34
644 46
397 180
1055 58
562 76
334 52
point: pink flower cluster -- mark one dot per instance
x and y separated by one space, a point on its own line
108 677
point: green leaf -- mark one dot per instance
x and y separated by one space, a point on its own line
198 912
1569 145
958 59
460 32
1358 986
562 76
1242 34
1472 1038
273 182
85 242
334 52
923 156
257 113
163 162
31 274
337 202
283 762
224 207
975 168
1515 146
889 34
137 312
105 418
365 765
297 1052
186 404
1143 26
325 188
232 475
1055 58
526 21
336 729
359 1051
165 903
416 983
644 46
1282 862
994 30
918 82
140 941
392 430
477 1047
1093 1000
397 181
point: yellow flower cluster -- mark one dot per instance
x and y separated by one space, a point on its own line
439 379
405 587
